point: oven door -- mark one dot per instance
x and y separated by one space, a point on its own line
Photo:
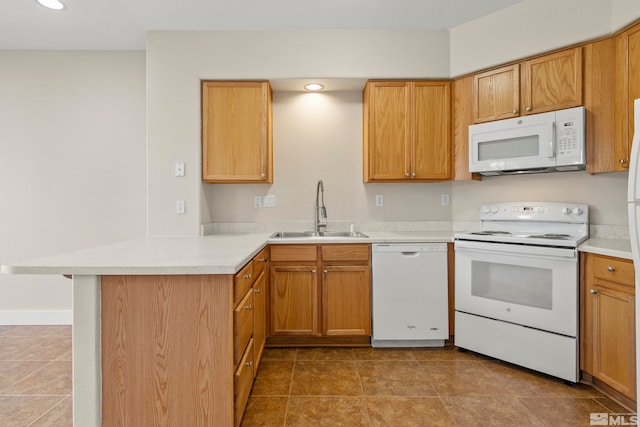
533 286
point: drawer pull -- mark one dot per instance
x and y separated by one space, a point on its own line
248 307
249 364
593 291
610 268
248 276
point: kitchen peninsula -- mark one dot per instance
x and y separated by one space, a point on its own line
179 294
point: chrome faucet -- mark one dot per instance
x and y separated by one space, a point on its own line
321 210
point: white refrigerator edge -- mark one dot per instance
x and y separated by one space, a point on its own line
633 197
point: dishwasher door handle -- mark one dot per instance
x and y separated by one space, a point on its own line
410 254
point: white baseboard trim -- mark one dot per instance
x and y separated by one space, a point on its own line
36 317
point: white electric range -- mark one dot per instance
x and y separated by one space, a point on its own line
516 285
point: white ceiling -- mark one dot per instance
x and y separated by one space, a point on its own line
122 24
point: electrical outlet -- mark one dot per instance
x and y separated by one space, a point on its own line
257 201
180 207
445 199
179 168
269 201
379 200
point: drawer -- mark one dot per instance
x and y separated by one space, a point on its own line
346 252
242 383
614 270
260 261
290 253
242 282
242 325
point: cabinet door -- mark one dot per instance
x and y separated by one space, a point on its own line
496 94
552 82
386 131
346 297
614 359
628 89
431 131
294 300
260 317
236 132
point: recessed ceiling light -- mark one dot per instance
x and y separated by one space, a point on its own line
313 87
52 4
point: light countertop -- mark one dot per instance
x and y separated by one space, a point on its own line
619 248
214 254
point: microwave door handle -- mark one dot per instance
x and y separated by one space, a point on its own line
551 146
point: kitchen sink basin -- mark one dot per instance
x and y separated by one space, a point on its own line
308 234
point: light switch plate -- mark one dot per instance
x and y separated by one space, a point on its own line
180 207
445 199
257 201
379 200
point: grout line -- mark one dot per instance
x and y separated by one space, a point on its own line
47 411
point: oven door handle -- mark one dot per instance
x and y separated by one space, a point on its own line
515 250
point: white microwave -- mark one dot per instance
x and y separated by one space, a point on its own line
546 142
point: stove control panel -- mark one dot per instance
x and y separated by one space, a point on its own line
535 211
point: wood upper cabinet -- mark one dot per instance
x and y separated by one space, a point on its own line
496 94
546 83
237 142
552 82
407 131
320 291
627 90
608 324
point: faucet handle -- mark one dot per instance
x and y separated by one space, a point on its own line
323 212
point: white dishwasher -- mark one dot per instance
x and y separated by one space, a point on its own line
410 295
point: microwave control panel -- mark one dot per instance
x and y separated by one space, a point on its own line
568 139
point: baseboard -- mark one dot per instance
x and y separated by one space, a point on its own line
36 317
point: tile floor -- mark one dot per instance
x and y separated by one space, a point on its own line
324 387
403 387
35 376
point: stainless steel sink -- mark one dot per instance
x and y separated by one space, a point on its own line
309 234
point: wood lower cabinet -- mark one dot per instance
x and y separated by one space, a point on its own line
181 349
320 294
237 145
608 325
407 131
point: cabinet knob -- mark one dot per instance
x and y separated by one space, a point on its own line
515 111
263 259
263 175
325 271
593 291
249 364
610 268
257 290
248 307
406 174
413 174
622 161
313 271
248 276
528 108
